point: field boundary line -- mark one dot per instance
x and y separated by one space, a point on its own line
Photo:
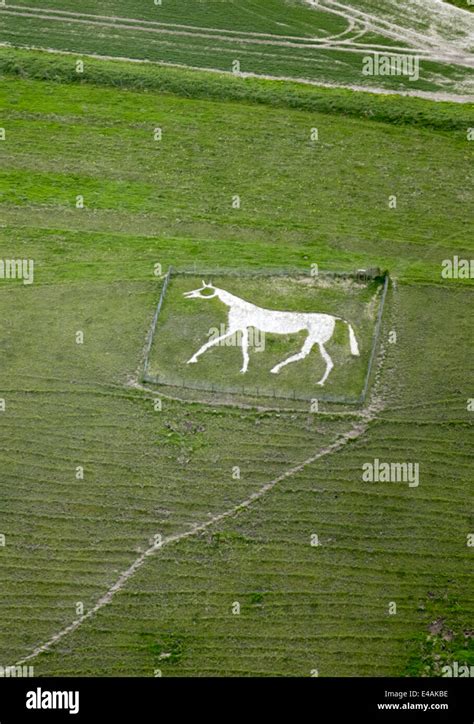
151 331
334 414
378 325
374 90
356 431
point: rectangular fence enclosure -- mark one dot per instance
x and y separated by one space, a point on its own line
183 324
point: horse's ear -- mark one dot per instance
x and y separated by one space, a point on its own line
203 283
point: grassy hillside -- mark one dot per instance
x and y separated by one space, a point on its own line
197 84
149 472
293 18
324 44
330 198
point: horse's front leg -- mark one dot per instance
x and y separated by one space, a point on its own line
245 349
207 345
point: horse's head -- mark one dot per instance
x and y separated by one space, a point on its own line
201 292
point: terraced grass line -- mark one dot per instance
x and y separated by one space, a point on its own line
356 431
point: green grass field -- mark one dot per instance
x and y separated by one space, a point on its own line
171 472
324 44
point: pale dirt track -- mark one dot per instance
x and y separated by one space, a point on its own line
366 416
428 95
152 26
358 429
428 45
434 41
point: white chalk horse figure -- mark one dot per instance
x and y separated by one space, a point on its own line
242 315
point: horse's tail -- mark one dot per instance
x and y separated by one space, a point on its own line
352 340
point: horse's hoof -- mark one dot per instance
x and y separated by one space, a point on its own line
274 371
191 361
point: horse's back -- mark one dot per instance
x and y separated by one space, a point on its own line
276 322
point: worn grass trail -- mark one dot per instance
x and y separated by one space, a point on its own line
197 529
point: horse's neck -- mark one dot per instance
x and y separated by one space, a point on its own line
230 300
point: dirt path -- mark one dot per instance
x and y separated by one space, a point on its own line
155 23
435 46
429 95
424 45
358 429
222 35
247 38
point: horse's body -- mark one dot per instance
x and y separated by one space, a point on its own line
243 315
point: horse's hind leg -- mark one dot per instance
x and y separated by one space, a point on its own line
305 350
329 365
